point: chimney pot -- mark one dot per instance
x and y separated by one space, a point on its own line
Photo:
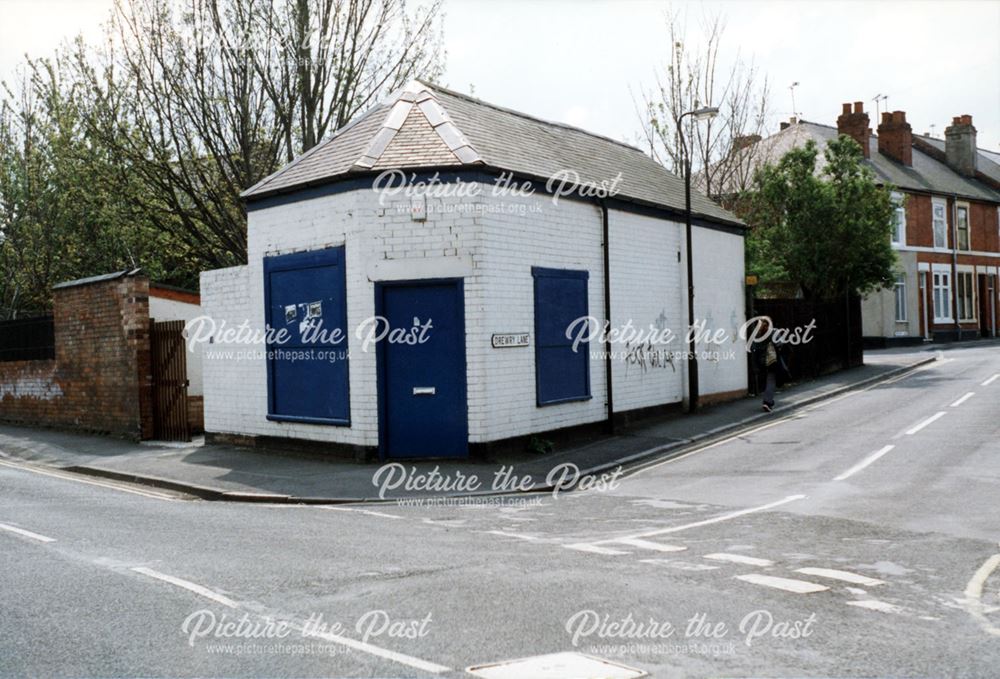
895 137
960 149
855 124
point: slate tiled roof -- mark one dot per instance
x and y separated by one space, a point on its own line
988 162
426 126
926 175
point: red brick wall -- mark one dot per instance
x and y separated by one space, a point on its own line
919 220
100 378
983 227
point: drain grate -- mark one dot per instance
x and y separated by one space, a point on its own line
556 666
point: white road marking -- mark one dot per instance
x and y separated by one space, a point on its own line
793 416
875 605
933 418
846 576
681 565
369 512
416 663
990 380
185 584
787 584
76 478
739 558
402 658
556 665
26 533
529 538
973 602
706 522
593 548
655 546
864 463
963 399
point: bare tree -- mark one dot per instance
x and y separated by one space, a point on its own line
722 149
203 98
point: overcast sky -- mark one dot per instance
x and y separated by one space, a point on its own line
580 61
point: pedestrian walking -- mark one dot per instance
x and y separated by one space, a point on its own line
766 361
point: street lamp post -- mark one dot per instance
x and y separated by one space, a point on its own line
703 113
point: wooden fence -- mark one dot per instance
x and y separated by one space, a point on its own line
837 343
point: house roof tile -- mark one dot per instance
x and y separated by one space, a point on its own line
429 126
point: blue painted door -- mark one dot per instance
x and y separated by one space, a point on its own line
308 369
422 387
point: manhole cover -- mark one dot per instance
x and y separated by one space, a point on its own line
556 666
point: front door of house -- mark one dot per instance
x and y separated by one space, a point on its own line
421 366
987 304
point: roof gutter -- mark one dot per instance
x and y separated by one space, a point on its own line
677 212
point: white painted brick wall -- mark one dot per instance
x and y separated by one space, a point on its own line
520 233
646 289
719 278
502 238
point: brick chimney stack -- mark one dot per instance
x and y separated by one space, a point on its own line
855 125
895 138
740 143
960 145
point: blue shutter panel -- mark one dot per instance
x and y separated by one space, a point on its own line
561 374
307 379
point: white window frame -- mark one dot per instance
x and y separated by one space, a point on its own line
899 297
941 293
943 221
898 219
969 275
968 227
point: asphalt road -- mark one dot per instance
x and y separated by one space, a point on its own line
806 547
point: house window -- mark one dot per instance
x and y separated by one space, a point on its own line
966 296
562 370
942 296
900 293
963 227
940 212
898 220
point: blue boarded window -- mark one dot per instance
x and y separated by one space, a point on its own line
561 374
307 376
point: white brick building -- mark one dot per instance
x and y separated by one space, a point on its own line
484 268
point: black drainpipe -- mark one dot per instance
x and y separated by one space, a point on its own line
607 317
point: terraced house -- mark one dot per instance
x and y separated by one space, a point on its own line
946 230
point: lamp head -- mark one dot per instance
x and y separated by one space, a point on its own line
705 113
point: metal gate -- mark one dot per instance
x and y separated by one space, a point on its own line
170 383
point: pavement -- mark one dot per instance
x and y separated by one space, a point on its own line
858 536
232 473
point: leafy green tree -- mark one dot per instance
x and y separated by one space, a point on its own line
825 230
69 207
